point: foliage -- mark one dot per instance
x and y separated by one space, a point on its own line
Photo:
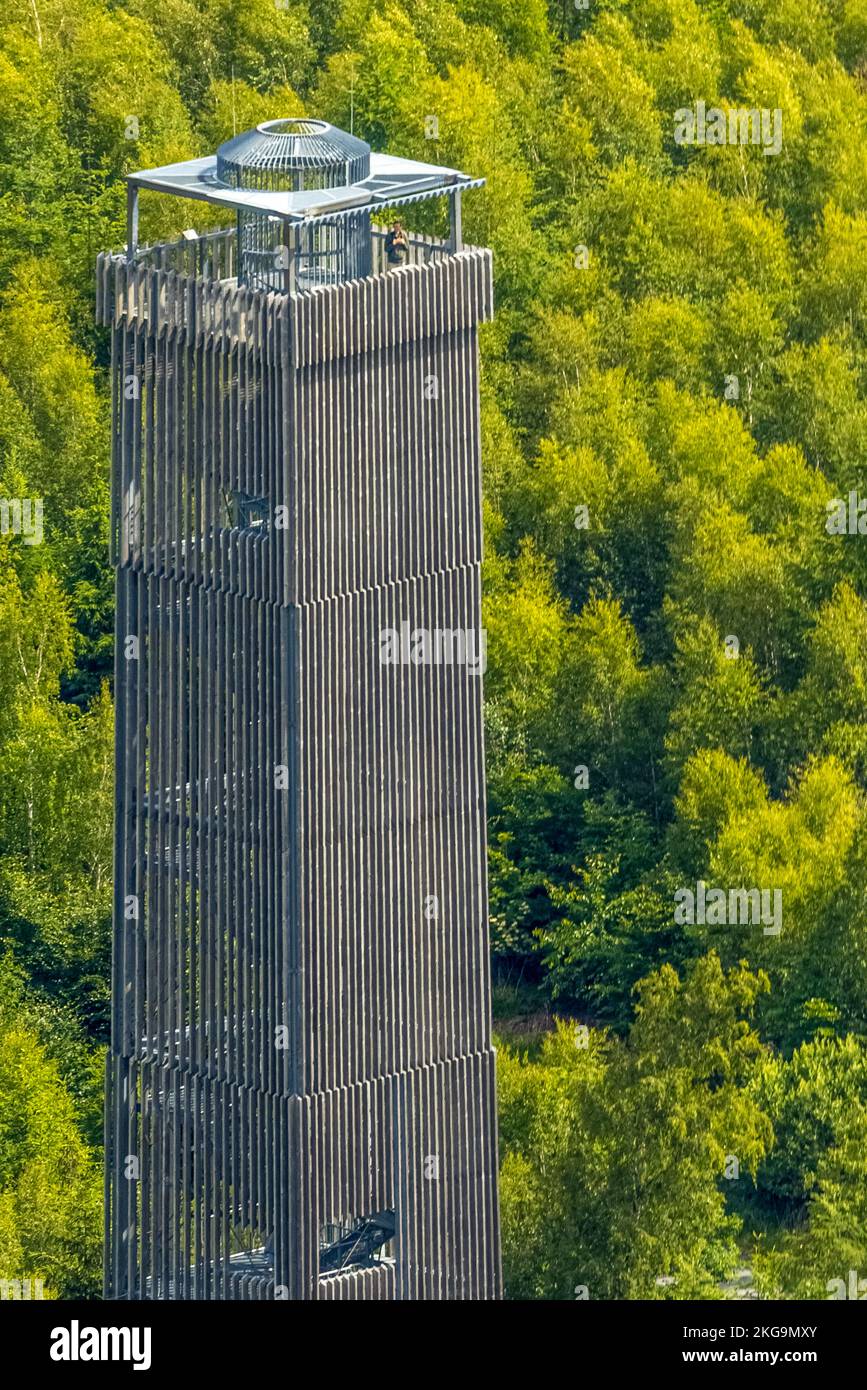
613 1150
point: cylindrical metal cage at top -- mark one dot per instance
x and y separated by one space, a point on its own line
297 155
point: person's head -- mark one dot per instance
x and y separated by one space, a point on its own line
397 227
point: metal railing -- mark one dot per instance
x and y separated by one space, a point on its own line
214 255
210 256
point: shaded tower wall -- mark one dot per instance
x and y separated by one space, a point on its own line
300 1028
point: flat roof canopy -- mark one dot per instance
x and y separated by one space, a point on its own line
391 181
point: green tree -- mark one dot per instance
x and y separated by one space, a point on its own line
50 1185
612 1152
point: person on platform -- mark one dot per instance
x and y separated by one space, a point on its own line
396 245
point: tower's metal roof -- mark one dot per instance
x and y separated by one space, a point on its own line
280 146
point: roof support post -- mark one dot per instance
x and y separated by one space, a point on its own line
456 232
131 220
290 258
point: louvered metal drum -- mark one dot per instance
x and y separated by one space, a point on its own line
296 156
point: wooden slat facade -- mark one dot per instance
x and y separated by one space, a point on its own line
300 1034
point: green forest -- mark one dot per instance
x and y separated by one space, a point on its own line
674 422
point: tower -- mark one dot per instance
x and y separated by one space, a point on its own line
300 1086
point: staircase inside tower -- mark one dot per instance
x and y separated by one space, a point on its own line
356 1243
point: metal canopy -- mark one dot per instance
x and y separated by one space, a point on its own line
392 181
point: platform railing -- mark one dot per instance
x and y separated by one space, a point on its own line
214 255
